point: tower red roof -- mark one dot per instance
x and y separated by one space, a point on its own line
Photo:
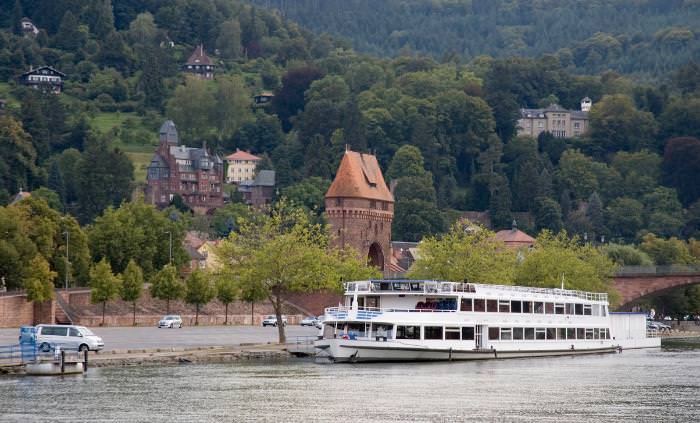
359 176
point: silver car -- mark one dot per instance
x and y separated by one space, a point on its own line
170 321
69 337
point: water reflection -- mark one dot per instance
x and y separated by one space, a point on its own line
645 385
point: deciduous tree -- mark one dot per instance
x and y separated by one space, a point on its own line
166 285
198 291
132 285
104 285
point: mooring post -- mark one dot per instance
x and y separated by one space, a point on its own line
85 360
63 361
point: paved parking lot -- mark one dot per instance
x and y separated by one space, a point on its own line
151 337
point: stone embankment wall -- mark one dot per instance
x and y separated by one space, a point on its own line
16 311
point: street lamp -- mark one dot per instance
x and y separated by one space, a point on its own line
170 249
67 234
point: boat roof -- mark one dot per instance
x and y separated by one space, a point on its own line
468 287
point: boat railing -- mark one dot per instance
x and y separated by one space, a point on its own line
342 310
443 287
653 333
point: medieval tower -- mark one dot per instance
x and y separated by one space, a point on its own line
360 208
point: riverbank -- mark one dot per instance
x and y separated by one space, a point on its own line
168 356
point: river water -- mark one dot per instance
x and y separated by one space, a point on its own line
642 385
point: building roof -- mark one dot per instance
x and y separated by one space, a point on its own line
242 155
36 70
199 57
540 113
359 176
264 178
514 237
21 195
168 132
192 153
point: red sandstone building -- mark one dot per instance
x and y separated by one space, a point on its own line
194 174
360 208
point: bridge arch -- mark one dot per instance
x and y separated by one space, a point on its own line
634 286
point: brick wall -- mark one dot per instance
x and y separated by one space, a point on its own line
631 288
16 311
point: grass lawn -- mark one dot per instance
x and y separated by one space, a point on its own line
140 154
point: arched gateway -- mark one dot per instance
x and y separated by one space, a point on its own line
360 208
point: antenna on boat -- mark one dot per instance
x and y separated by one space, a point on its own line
562 281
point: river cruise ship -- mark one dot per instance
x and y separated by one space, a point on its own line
417 320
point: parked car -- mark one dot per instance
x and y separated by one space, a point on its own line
170 321
308 321
272 321
69 337
319 321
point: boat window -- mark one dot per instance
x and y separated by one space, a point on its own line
452 333
372 302
479 304
539 307
360 302
465 304
596 333
527 306
570 333
587 310
570 308
467 333
432 332
580 333
492 306
589 333
518 333
529 333
595 309
493 334
558 308
540 333
503 306
506 334
385 286
604 334
605 311
516 307
416 287
549 308
407 332
551 333
561 333
579 309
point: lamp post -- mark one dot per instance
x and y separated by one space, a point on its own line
67 234
170 249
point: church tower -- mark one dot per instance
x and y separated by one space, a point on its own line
360 208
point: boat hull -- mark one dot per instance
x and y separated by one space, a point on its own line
355 351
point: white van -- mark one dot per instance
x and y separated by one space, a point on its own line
69 337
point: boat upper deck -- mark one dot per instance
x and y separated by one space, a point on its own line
459 289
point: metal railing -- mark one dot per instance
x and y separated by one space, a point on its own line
407 286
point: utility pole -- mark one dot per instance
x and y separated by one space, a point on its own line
170 250
67 234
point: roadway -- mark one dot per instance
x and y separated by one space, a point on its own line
121 338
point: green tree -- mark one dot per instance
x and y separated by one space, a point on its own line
467 252
547 214
226 292
582 266
38 282
284 253
666 252
139 232
69 36
576 175
663 212
132 285
407 161
229 40
51 197
151 81
616 124
198 291
308 193
624 217
500 202
166 285
18 161
681 166
626 255
104 285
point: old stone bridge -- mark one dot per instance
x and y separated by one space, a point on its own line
637 282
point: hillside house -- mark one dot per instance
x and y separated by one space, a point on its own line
241 166
43 78
199 64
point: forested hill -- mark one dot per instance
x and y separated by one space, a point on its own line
647 37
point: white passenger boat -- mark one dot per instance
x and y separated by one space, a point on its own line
418 320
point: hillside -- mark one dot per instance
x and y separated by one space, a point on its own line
644 38
447 132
